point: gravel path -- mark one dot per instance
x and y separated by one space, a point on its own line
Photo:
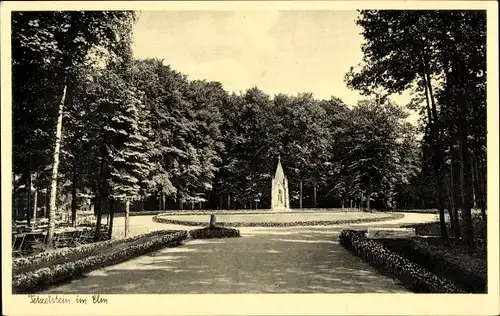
274 261
263 260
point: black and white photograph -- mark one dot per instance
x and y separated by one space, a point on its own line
249 150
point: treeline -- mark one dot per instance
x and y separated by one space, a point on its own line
89 119
442 56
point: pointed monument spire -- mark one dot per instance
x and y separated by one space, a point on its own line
279 171
279 189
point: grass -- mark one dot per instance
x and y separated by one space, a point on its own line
433 229
277 217
449 259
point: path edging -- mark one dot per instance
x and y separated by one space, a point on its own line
159 219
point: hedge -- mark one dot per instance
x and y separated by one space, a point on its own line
33 281
414 277
63 255
214 232
159 219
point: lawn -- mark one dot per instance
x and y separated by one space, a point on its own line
279 218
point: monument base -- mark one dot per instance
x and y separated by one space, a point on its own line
280 209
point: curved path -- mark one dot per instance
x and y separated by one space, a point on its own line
264 260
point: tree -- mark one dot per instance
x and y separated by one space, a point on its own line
128 152
445 66
374 159
58 42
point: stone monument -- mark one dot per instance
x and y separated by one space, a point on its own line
280 200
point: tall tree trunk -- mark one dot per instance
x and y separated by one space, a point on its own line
35 204
111 217
229 201
474 190
436 151
100 195
482 181
21 207
450 209
158 199
368 194
465 165
47 205
73 197
479 185
464 191
55 170
28 195
456 218
300 194
98 211
127 218
314 195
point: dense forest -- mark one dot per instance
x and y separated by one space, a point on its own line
89 120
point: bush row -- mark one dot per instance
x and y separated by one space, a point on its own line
163 220
59 256
33 281
413 276
214 232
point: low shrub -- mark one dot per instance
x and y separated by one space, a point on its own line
413 276
63 255
160 219
33 281
214 232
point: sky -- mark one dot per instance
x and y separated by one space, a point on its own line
277 51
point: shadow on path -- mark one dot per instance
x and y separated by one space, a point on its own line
261 262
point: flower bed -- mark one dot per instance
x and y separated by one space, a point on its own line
214 232
163 220
33 281
446 259
413 276
59 256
